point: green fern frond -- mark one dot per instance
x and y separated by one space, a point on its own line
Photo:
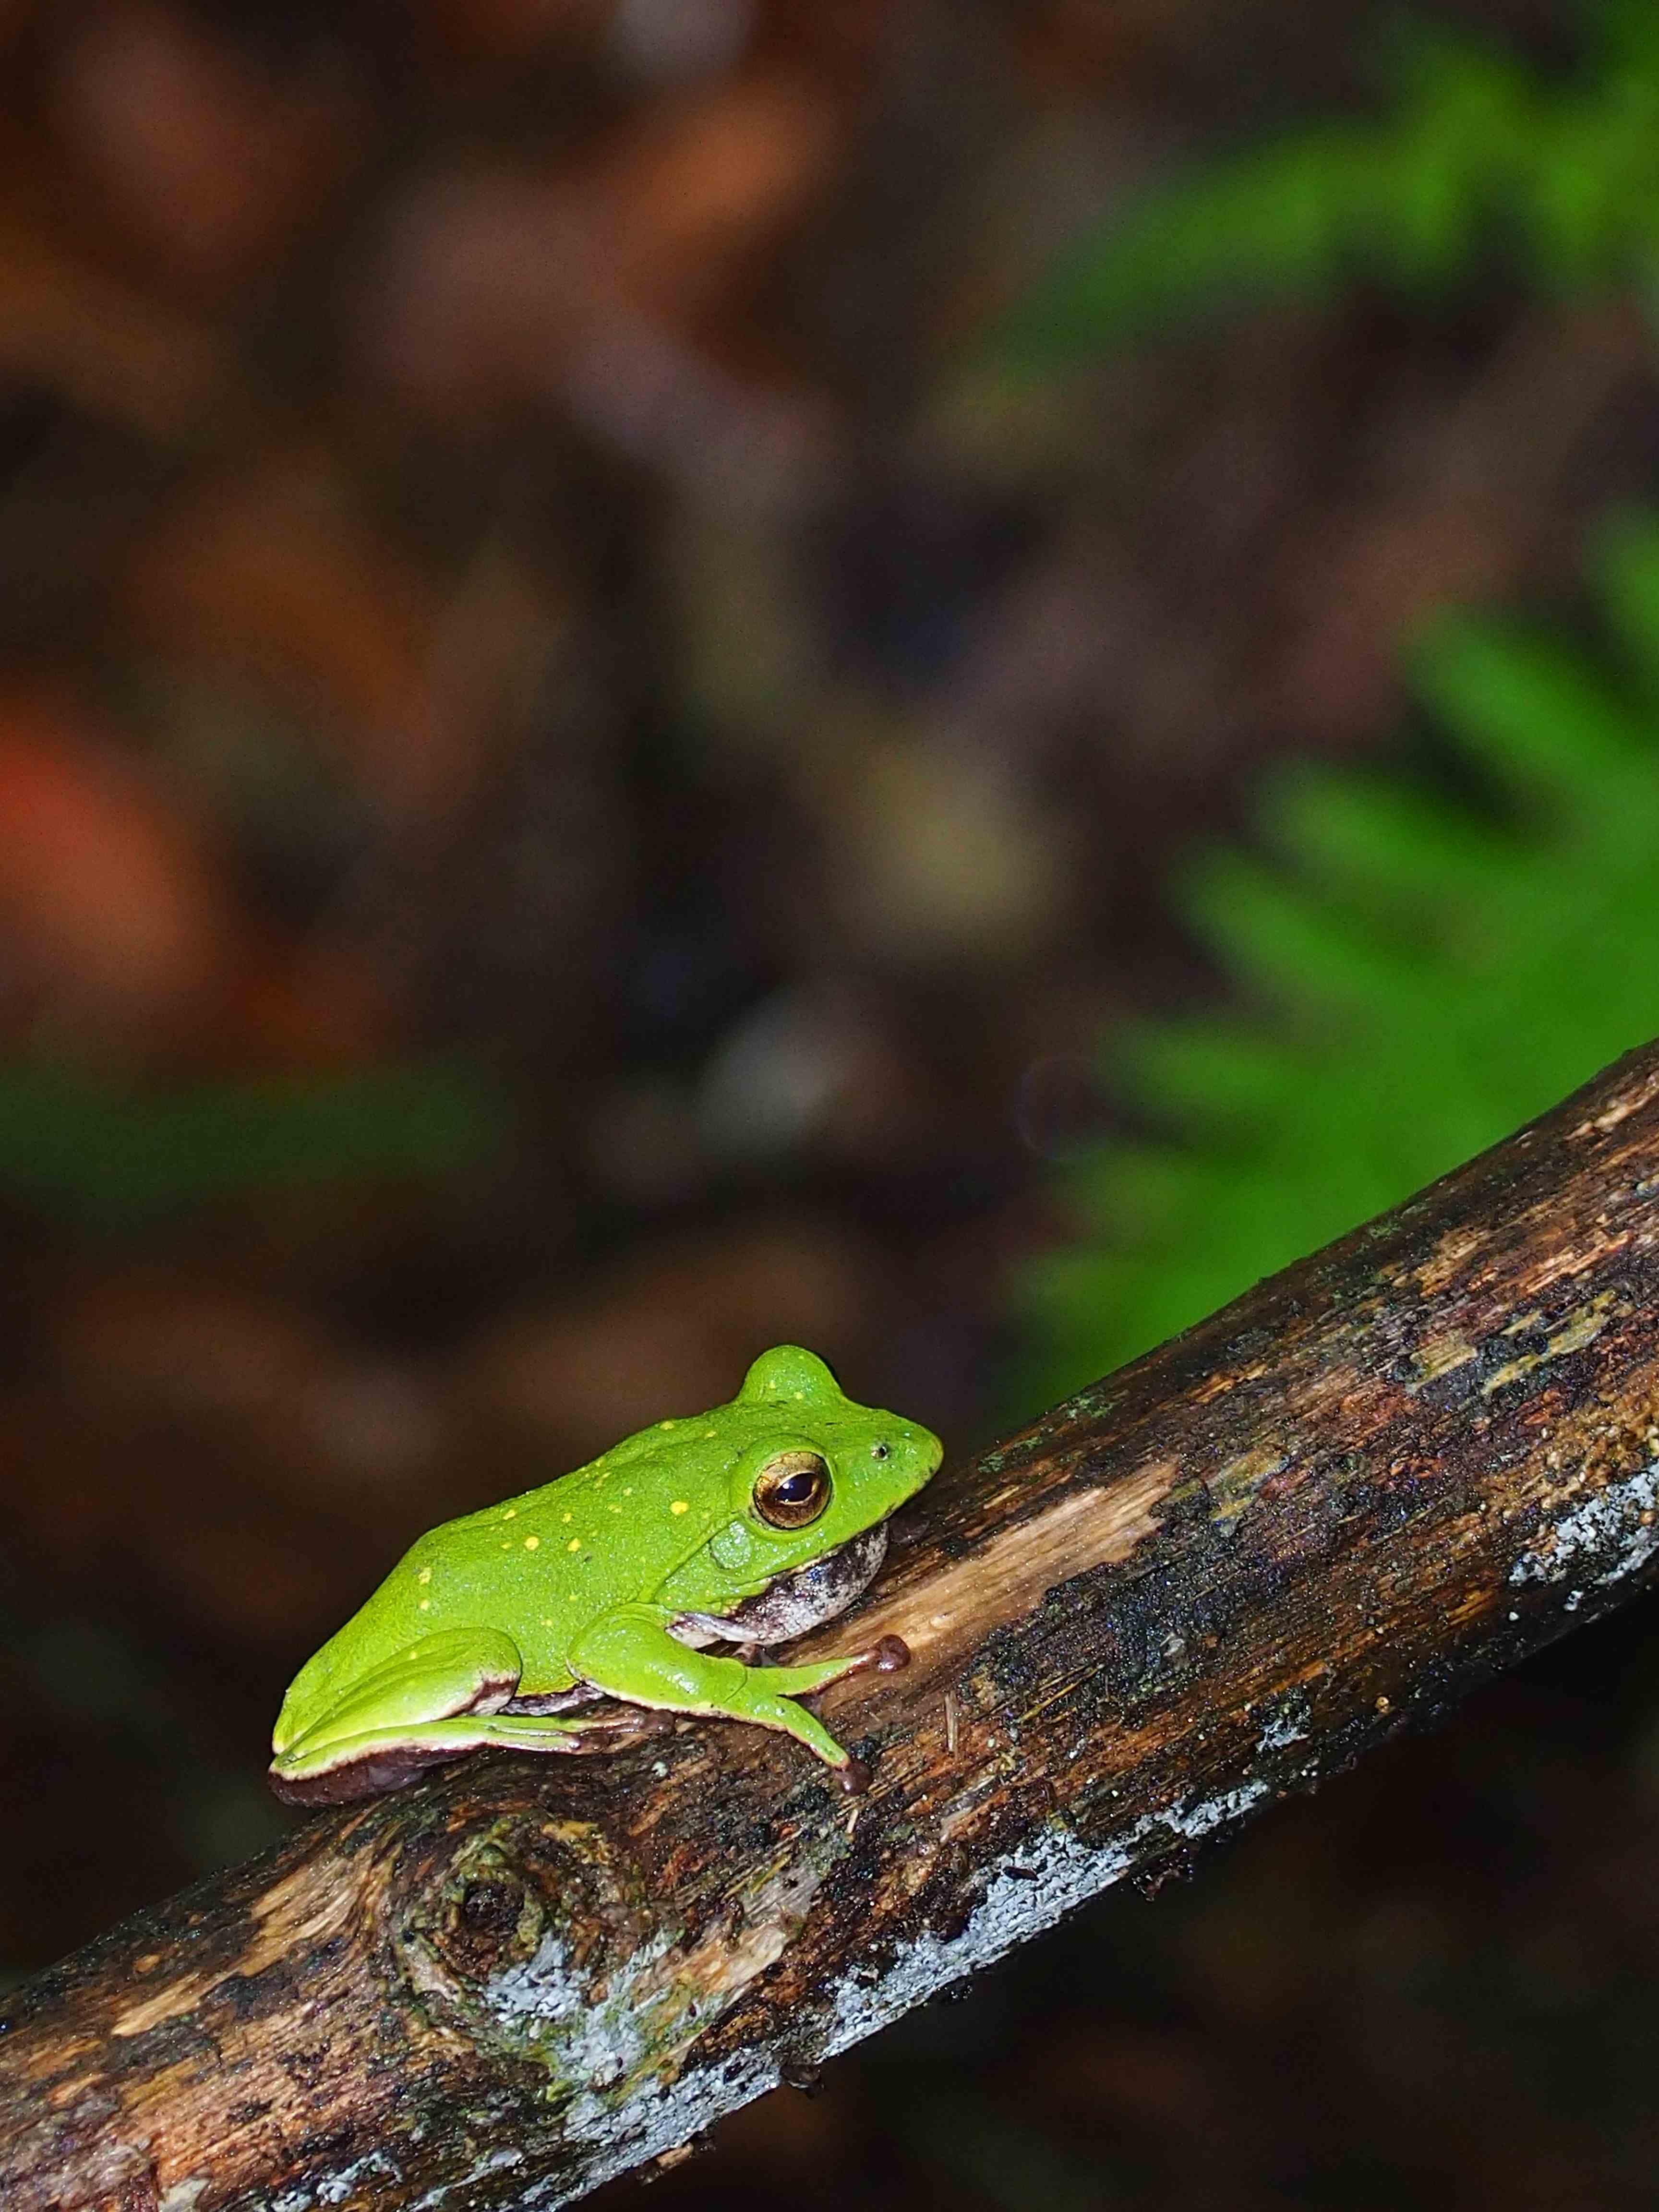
1421 974
1477 157
1527 709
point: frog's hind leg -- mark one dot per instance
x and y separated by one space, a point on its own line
381 1730
384 1759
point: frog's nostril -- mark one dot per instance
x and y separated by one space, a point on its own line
880 1451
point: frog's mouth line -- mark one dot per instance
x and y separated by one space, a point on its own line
784 1608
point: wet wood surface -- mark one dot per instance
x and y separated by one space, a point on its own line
1317 1519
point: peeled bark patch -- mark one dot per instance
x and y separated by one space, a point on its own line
1215 1577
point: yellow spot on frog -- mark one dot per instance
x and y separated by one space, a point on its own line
575 1545
532 1543
679 1506
564 1517
426 1605
664 1425
425 1575
511 1514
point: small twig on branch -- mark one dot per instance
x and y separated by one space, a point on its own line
1215 1577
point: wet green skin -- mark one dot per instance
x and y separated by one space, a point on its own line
576 1582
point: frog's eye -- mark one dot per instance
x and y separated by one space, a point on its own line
792 1490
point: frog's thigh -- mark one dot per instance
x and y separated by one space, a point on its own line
630 1655
338 1770
461 1670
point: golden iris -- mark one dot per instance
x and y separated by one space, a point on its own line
792 1490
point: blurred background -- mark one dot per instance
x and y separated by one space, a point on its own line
939 679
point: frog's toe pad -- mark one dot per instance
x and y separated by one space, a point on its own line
889 1655
855 1777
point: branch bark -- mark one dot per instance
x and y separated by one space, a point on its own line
1218 1576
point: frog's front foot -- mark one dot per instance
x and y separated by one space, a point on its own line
887 1655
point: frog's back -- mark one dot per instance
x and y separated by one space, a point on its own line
604 1535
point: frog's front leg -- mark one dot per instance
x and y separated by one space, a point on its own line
630 1655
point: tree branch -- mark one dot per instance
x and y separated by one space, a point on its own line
1216 1576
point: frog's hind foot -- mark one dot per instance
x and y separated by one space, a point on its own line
606 1724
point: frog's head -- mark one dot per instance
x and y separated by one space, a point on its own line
814 1468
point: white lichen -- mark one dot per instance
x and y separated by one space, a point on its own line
331 2189
1203 1820
1286 1724
377 2166
1621 1521
1035 1886
590 2040
653 2118
496 2162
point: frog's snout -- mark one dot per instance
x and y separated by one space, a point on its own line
932 1450
922 1453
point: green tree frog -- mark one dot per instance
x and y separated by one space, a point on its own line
746 1525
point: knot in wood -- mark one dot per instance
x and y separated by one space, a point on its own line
519 1928
491 1919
